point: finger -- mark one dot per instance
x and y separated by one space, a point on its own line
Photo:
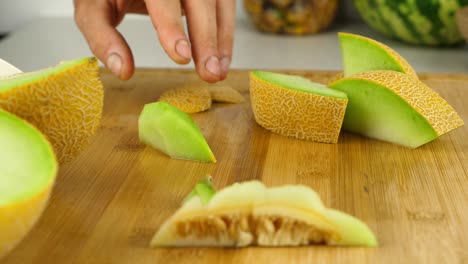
225 16
96 21
137 7
166 18
201 20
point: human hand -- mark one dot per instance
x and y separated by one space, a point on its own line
210 26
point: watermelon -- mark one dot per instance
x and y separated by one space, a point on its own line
422 22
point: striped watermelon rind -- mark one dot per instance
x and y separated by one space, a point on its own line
421 22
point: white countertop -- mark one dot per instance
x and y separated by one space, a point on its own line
48 40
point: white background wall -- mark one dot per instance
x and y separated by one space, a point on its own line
15 13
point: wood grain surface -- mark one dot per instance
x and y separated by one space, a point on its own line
108 203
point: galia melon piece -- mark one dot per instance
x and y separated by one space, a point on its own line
296 107
188 99
64 102
225 94
28 168
394 107
361 54
250 214
168 129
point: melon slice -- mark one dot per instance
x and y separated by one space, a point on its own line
394 107
28 169
250 214
168 129
188 99
225 94
296 107
64 102
361 54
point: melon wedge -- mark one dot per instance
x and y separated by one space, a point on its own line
250 214
394 107
361 54
64 102
225 94
28 168
188 99
170 130
296 107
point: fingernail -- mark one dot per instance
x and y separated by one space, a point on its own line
183 49
114 63
225 63
212 65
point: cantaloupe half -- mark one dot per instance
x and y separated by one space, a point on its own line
361 54
395 107
173 132
28 169
250 214
64 102
296 107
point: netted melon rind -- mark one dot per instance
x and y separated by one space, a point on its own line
225 94
188 99
297 114
438 112
65 106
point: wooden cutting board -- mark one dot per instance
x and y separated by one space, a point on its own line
109 202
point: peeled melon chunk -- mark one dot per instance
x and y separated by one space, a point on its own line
394 107
361 54
250 214
170 130
64 102
28 168
296 107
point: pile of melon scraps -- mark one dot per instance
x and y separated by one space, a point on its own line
46 117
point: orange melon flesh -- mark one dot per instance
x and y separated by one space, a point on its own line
28 168
64 102
395 107
250 214
296 107
361 54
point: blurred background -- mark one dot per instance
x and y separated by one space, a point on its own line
270 34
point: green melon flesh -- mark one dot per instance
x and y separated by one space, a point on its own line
168 129
27 161
20 79
361 54
298 83
204 190
377 112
